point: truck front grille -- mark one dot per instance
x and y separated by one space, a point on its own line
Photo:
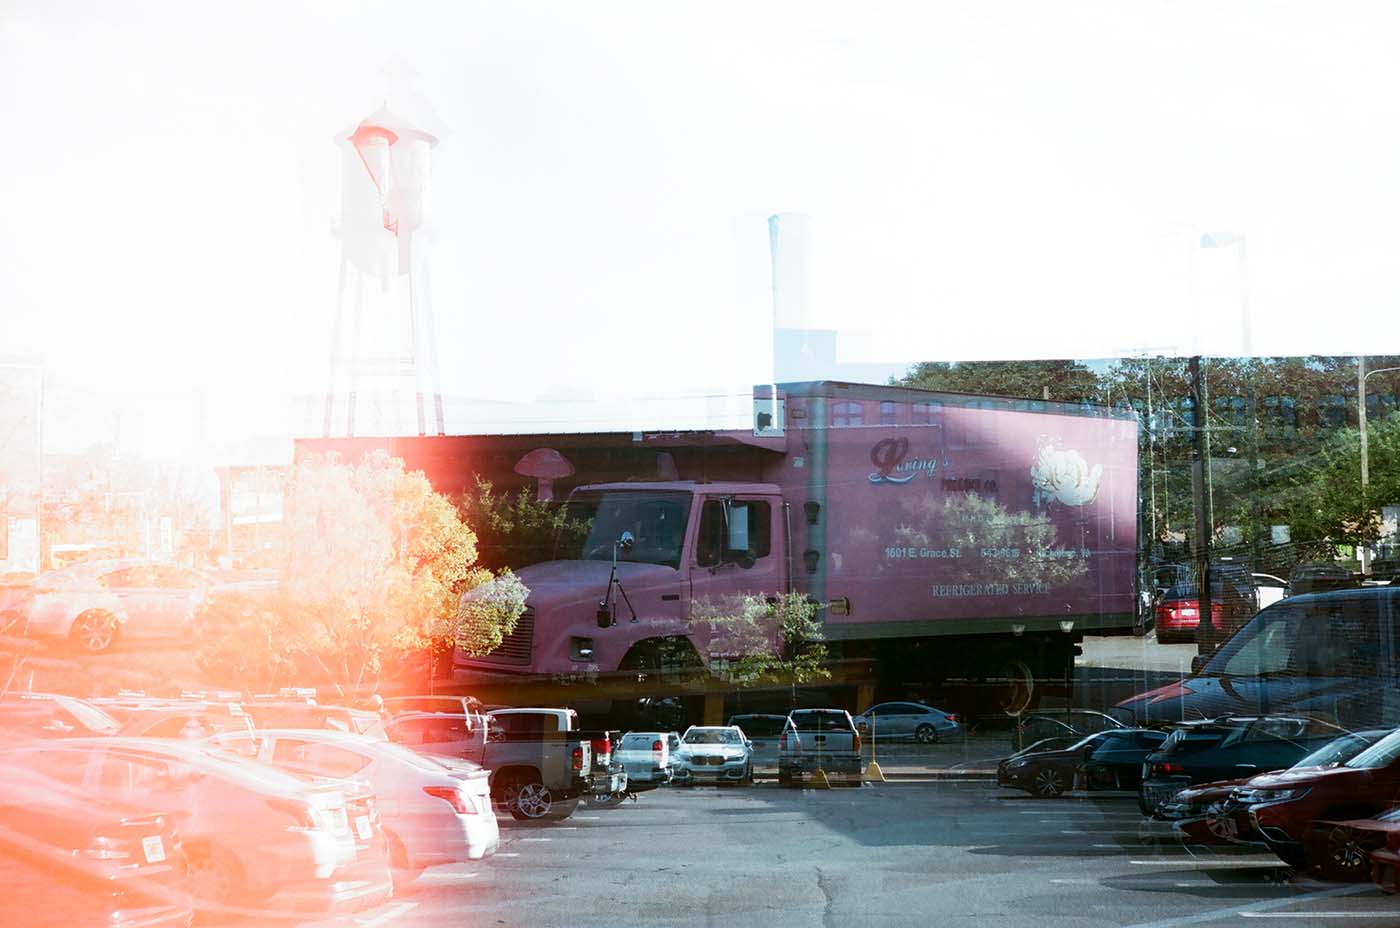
517 647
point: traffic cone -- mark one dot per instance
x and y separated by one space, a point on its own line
873 773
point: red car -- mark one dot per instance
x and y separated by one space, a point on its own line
1283 806
69 858
1208 813
1385 863
1346 849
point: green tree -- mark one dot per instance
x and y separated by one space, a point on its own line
516 529
1065 381
753 641
376 569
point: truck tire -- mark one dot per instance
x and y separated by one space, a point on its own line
531 801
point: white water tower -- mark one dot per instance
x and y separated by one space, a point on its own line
383 344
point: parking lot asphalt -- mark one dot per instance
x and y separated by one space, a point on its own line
911 852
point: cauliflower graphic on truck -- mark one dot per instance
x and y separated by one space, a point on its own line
1064 475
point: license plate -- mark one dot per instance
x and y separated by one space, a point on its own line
362 827
155 850
1156 795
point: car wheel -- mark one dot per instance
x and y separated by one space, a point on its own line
94 631
215 882
1346 855
1049 783
532 801
926 734
401 871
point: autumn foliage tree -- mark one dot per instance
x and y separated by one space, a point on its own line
376 569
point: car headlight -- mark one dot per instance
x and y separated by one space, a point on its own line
1254 797
1017 764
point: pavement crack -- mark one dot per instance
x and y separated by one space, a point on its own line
828 920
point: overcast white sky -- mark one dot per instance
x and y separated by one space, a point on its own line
984 180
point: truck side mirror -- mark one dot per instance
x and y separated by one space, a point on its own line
605 619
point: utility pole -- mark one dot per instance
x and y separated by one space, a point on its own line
1362 551
1200 461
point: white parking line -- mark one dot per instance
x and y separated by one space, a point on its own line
1244 910
1389 914
1201 863
508 854
587 818
388 915
435 876
534 839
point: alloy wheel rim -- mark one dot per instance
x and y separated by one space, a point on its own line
1347 852
925 734
95 633
534 800
1048 782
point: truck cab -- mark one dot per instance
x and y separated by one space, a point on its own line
655 561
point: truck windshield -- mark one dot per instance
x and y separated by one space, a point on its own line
655 520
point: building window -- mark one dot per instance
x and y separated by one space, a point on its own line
1280 418
929 412
1331 411
889 413
847 414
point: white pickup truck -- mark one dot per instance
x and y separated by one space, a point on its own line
818 739
646 755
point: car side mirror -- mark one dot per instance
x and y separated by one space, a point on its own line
1198 662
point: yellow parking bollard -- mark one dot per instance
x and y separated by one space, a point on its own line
873 773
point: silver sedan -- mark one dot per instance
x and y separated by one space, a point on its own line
905 720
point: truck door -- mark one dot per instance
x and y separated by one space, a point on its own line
738 551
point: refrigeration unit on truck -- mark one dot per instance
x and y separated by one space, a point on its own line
944 536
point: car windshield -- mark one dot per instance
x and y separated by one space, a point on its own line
653 524
1383 753
1337 751
1307 638
712 736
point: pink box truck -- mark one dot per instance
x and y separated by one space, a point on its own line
948 538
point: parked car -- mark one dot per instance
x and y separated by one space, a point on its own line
255 838
95 603
1062 723
430 815
763 732
908 720
1104 760
1270 589
1202 752
1326 654
646 756
539 763
1208 813
1284 806
819 739
1233 601
307 713
1322 578
397 705
1385 861
713 753
70 858
190 721
52 715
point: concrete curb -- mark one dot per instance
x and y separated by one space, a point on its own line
912 774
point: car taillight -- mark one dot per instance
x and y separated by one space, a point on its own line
1167 769
782 742
602 747
856 737
453 797
954 717
578 758
657 747
303 816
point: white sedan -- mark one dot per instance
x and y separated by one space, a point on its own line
432 813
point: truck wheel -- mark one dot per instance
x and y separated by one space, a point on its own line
532 800
926 734
1018 694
